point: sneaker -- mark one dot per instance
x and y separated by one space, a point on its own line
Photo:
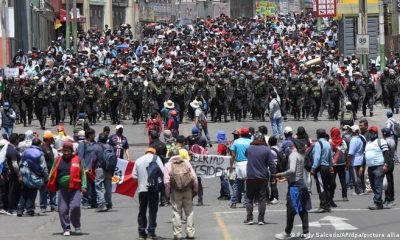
102 209
274 201
282 236
19 214
142 237
67 233
78 230
375 207
389 204
86 207
333 204
233 205
2 211
262 222
345 199
43 210
152 236
248 222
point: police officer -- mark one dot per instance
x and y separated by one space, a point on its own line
353 93
15 98
62 94
294 97
26 103
90 102
54 103
316 98
392 89
369 89
261 96
136 98
334 94
115 97
178 97
41 98
71 99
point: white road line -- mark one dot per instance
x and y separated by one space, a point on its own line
333 210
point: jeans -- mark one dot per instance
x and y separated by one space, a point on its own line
389 193
148 200
323 181
341 171
43 197
276 125
225 191
256 190
6 132
89 198
376 175
358 180
237 190
103 185
27 200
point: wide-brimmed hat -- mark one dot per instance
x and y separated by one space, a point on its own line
169 104
195 104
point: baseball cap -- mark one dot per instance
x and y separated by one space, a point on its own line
373 129
118 127
288 130
244 131
68 144
355 128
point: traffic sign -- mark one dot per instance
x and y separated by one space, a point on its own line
326 8
362 44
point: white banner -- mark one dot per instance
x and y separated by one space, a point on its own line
11 72
209 166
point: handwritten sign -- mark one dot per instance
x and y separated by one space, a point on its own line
11 72
209 166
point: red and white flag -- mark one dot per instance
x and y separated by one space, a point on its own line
122 181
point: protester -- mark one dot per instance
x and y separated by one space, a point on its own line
339 149
34 174
239 158
260 164
355 159
222 149
68 177
389 193
7 120
148 198
391 123
274 193
275 115
377 159
120 143
298 198
180 187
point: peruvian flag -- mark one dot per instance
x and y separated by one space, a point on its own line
122 181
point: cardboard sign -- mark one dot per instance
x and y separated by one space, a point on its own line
209 166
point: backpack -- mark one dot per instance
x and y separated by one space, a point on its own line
308 159
348 116
110 160
282 162
79 126
155 176
197 149
396 127
181 178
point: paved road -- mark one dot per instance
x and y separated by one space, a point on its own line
216 220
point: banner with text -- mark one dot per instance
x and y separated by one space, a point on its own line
209 166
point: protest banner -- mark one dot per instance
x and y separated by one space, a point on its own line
11 72
209 166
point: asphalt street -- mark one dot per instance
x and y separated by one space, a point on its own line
215 220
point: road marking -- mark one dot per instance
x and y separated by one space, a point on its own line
284 210
222 226
337 222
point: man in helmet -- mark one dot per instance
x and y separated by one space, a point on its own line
41 98
115 97
90 103
369 89
347 116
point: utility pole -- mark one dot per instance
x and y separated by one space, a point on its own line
363 30
75 27
382 35
67 20
4 5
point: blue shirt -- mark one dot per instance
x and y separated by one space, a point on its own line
356 150
324 159
240 146
287 145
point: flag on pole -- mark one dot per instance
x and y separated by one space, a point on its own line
122 181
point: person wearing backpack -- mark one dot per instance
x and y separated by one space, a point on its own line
173 123
200 120
347 116
181 186
34 174
104 173
322 170
339 148
389 193
278 156
153 123
377 160
260 164
394 127
148 195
